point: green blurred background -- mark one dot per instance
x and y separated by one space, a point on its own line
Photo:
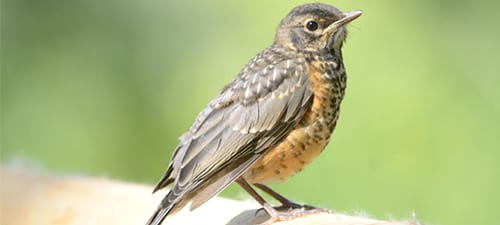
105 88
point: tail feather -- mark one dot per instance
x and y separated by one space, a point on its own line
168 206
160 214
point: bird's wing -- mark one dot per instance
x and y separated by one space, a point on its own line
251 114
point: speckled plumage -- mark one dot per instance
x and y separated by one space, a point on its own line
327 80
271 120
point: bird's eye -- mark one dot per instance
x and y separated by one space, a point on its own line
312 25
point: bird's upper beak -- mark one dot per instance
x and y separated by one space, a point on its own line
348 17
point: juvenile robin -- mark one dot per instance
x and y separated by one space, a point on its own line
269 122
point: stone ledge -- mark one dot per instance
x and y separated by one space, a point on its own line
33 197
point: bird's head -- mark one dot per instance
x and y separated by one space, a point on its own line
314 27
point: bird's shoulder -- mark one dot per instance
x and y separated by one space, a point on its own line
271 70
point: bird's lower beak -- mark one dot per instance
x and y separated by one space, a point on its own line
348 17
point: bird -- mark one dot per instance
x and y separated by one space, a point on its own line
270 121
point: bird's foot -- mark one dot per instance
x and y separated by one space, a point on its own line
292 206
290 212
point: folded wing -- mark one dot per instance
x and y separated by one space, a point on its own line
250 115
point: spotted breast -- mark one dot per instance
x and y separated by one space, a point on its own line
327 82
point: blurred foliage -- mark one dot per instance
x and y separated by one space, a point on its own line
106 87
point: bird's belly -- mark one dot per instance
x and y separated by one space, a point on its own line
299 147
288 157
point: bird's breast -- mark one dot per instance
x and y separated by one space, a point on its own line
312 132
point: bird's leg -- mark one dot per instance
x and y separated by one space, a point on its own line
274 215
285 203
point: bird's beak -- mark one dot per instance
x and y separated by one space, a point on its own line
348 17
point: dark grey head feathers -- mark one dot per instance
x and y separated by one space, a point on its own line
314 27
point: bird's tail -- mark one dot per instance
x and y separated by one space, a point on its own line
161 212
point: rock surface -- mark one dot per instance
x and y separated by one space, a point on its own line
34 197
